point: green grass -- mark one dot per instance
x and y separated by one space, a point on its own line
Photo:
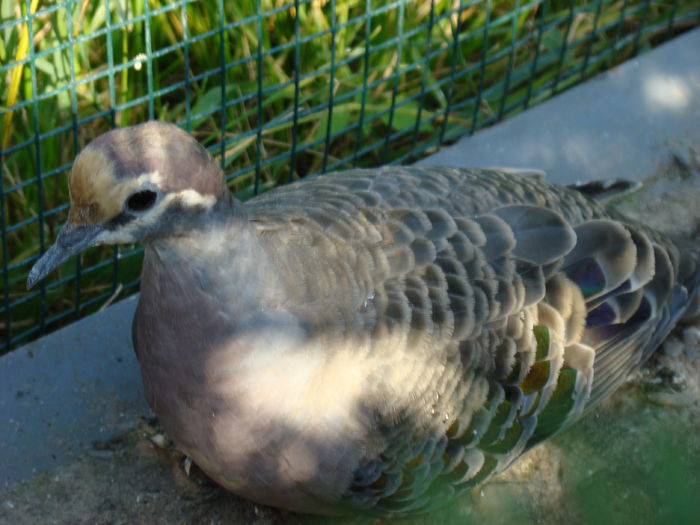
398 83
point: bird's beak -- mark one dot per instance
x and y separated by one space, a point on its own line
70 241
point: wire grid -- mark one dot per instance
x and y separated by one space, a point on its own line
275 90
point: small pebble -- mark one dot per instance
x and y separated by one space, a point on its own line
691 338
160 441
673 348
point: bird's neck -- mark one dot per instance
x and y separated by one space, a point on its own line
222 262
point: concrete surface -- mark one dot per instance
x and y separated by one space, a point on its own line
81 384
66 390
622 124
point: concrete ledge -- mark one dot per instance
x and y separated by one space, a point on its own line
81 383
622 124
62 392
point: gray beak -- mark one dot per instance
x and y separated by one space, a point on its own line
70 241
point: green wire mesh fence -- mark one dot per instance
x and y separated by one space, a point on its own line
276 90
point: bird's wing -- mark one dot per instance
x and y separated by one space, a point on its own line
519 304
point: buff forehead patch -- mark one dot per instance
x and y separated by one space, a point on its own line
97 194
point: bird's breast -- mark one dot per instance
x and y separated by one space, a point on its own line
234 389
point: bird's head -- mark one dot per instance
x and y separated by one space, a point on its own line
133 184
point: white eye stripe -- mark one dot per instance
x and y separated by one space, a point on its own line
127 233
189 197
192 198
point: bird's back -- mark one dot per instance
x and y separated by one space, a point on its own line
494 309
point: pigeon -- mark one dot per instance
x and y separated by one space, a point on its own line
370 341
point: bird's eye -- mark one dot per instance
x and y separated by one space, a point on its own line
141 200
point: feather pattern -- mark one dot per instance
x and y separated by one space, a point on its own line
527 302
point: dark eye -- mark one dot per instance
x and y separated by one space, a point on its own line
141 200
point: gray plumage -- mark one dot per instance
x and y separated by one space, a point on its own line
370 340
